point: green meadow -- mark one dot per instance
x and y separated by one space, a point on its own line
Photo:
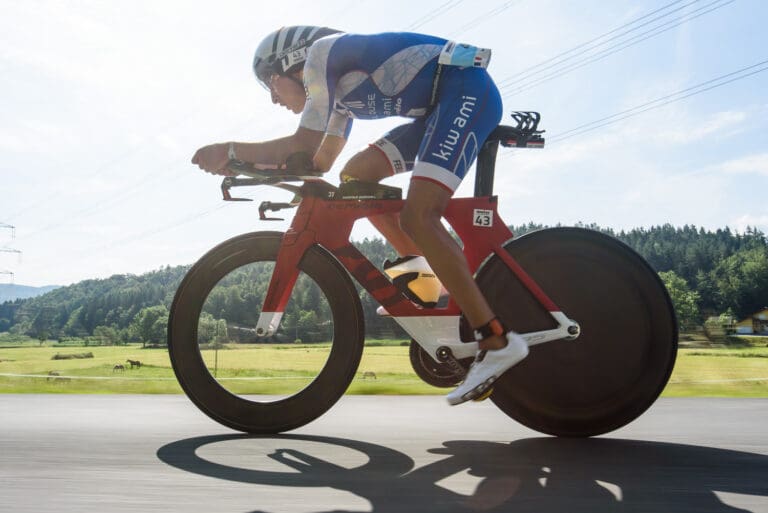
277 369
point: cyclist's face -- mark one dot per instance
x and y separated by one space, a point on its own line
287 92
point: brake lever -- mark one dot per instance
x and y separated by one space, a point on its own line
227 184
268 205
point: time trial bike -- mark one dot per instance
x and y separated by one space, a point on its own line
600 323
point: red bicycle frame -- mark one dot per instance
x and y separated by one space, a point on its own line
328 223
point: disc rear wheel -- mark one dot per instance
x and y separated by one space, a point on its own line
622 359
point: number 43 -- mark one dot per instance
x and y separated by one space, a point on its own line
483 218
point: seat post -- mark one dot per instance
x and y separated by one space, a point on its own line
486 166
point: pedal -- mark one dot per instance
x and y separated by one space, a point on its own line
485 395
445 355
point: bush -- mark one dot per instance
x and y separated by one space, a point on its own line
77 356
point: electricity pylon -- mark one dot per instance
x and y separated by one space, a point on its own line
8 250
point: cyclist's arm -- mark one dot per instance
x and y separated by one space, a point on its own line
328 151
214 157
276 151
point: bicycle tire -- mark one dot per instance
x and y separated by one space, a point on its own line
264 416
622 360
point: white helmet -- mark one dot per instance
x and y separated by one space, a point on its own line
285 50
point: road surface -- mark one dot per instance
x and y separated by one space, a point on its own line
118 453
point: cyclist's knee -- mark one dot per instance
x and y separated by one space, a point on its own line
417 221
369 165
411 223
423 210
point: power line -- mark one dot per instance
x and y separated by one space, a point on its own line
486 16
219 205
154 231
620 116
137 148
143 181
12 228
662 101
103 167
139 186
147 233
598 38
107 204
587 127
665 100
439 11
566 66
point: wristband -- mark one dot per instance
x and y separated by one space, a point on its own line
493 327
231 152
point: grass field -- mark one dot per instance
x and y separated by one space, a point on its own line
271 369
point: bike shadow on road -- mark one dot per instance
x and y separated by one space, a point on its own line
530 475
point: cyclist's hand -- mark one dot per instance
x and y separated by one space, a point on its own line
213 159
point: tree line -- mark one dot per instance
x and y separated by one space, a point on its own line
707 273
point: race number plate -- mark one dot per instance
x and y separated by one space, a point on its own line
482 218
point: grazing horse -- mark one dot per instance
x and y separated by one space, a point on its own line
134 363
369 374
118 367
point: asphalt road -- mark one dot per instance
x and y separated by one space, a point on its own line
69 453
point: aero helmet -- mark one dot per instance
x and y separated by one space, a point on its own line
285 50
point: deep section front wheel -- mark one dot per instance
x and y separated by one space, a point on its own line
625 353
256 384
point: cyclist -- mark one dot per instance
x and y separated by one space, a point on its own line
331 78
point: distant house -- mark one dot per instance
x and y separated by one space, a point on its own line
755 324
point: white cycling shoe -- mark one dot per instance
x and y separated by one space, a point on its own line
488 367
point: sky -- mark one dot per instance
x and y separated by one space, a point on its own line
656 112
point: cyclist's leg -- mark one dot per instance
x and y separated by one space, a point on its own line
468 109
422 220
393 153
373 165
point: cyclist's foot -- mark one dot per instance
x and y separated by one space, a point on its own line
488 366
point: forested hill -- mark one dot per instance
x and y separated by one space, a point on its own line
78 309
713 272
717 271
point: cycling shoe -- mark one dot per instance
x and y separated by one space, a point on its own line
488 366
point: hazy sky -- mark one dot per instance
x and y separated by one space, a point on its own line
104 103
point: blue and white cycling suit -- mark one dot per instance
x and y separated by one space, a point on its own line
350 76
